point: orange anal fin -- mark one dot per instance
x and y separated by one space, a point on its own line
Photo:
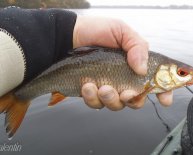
141 97
56 98
15 111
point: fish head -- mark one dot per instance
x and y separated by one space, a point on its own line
172 76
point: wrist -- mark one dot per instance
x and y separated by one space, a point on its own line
75 32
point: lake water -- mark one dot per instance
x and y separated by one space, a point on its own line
72 128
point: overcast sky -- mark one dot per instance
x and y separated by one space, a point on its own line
141 2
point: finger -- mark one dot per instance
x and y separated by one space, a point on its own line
137 49
110 98
139 103
90 95
128 95
166 98
137 58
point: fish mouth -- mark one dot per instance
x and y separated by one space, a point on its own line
189 83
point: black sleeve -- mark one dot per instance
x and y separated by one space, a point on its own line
45 35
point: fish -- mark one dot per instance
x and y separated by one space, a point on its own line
101 66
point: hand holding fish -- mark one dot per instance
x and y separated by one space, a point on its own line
115 34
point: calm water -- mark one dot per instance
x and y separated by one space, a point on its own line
72 128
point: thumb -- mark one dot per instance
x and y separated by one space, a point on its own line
137 58
137 49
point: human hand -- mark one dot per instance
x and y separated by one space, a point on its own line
98 31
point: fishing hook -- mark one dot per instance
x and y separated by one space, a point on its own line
158 115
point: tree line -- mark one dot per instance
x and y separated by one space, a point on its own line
46 3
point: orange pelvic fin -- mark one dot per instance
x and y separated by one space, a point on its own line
56 98
141 96
14 110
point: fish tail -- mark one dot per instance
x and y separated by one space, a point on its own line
15 110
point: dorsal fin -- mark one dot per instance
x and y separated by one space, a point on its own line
83 50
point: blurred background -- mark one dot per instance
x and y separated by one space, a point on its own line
74 129
46 3
172 4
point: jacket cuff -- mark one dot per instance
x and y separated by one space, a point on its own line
64 23
45 35
12 62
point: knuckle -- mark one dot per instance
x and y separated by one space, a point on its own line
115 108
94 104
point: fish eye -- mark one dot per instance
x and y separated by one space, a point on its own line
182 72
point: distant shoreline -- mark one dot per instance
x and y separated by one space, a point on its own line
142 7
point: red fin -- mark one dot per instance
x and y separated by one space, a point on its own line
14 110
56 98
141 96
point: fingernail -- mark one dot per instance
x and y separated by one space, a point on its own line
107 95
88 91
